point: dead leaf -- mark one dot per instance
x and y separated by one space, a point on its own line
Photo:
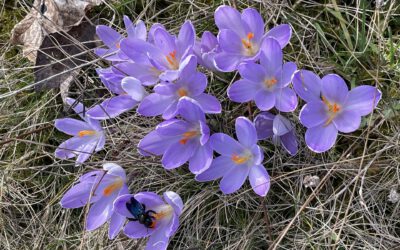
46 17
62 54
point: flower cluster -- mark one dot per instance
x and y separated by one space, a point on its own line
157 72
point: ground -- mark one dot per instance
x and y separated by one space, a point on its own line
349 209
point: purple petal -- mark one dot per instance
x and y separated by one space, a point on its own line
70 148
284 76
186 37
243 91
114 170
153 144
321 138
99 213
271 56
164 41
209 104
71 126
201 159
137 30
146 73
347 121
153 28
286 100
154 104
334 89
119 205
116 223
175 201
363 99
196 83
265 100
135 230
178 153
208 41
227 62
225 145
230 42
252 71
281 125
263 123
259 180
109 36
190 110
313 114
112 107
219 166
289 143
307 85
85 152
281 33
78 195
227 17
158 240
245 131
254 22
171 111
134 88
173 127
234 179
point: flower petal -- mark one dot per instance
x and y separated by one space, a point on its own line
116 223
227 62
243 91
209 104
217 169
153 144
252 71
190 110
321 138
172 127
136 230
112 107
271 56
99 213
109 36
234 179
71 126
307 85
265 100
225 145
175 201
186 37
289 143
286 99
230 42
313 114
78 195
154 104
158 240
164 41
254 22
137 30
227 17
134 88
263 124
281 125
284 76
114 170
282 33
363 99
201 159
334 89
178 153
245 131
259 180
347 121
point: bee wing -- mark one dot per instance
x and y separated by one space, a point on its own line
135 208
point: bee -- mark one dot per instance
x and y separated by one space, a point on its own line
138 210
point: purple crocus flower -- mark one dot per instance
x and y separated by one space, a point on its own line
132 93
183 140
267 83
238 160
206 49
112 39
165 217
337 109
100 189
278 128
88 135
190 83
241 36
164 55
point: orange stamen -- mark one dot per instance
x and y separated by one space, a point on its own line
239 159
113 187
171 59
182 92
333 110
270 82
250 35
118 45
188 135
246 42
86 132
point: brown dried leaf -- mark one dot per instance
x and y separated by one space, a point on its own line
45 17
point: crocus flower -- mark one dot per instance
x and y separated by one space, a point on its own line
338 109
133 93
267 83
88 135
278 128
100 189
190 83
183 140
112 39
206 49
165 55
164 216
241 36
238 160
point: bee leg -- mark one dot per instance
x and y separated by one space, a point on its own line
151 211
132 219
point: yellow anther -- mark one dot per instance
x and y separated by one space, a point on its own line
239 159
86 132
270 82
171 59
